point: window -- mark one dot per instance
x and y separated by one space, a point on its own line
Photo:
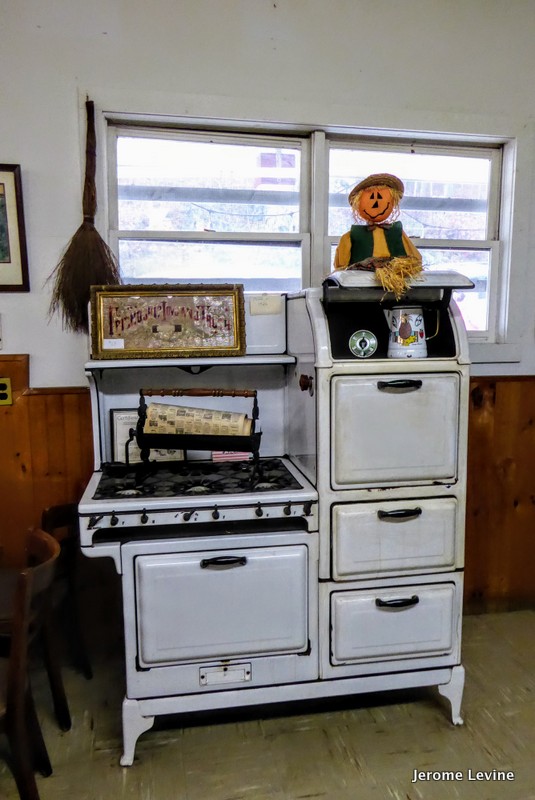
450 210
268 210
205 208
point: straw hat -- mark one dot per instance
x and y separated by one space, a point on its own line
380 179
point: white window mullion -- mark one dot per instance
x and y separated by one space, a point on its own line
319 167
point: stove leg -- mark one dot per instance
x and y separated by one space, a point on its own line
134 724
453 692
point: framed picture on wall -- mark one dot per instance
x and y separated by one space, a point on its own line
123 420
13 252
167 321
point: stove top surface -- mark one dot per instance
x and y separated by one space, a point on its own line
194 479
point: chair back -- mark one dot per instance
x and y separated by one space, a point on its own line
29 607
62 522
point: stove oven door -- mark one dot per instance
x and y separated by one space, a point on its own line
217 612
394 429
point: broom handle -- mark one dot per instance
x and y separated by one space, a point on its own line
89 202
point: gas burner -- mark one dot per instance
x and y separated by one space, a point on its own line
199 489
128 493
264 486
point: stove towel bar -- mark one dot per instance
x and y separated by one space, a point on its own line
249 443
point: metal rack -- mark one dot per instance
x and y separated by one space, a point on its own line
185 442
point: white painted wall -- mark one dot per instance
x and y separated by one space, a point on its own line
448 65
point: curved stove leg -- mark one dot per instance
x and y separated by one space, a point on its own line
453 692
134 724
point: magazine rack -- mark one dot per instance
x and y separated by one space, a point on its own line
171 441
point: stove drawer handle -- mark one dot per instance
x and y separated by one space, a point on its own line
400 385
398 602
223 562
400 513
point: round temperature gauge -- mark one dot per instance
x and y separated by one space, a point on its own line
363 344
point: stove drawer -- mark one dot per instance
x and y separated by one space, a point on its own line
394 429
221 604
396 536
393 624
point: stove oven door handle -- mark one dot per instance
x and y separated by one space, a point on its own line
223 562
400 385
398 602
400 513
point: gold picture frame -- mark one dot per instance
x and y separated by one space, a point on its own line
13 251
167 321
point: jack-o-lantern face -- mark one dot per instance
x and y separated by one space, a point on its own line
376 203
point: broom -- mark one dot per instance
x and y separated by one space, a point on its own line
87 259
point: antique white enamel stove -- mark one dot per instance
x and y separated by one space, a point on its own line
328 564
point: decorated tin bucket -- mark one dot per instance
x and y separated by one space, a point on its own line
407 332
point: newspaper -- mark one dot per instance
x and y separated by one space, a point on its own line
184 420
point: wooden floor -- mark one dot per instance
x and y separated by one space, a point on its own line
362 748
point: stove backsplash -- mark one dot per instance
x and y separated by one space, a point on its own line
265 323
117 401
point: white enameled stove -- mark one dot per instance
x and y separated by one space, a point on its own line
330 561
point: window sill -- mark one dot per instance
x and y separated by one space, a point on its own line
505 353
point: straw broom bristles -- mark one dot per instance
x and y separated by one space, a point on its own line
87 260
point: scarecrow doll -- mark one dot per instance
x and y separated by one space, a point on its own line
377 242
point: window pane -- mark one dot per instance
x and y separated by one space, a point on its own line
446 196
178 185
260 267
474 264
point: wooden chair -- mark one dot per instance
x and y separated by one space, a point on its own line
30 597
48 642
61 522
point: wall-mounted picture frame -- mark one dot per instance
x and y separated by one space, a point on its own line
13 253
122 420
167 321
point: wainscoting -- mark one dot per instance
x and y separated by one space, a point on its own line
46 457
46 452
500 529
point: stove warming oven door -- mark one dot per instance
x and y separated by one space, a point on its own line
213 613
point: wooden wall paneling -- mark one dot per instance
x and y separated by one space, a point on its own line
47 435
16 469
46 452
515 448
500 525
59 421
79 435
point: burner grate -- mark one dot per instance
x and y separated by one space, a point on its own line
194 479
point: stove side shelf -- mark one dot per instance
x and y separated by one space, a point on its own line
191 364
